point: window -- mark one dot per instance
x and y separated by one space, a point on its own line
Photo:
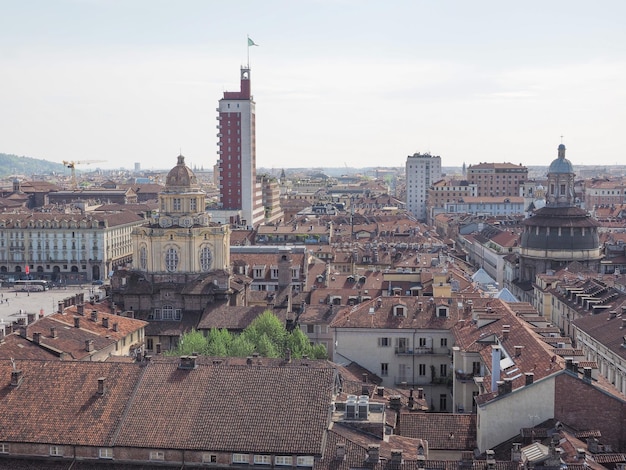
177 204
209 458
262 459
422 369
105 453
167 312
444 342
171 259
193 205
476 368
206 258
304 461
283 460
384 369
143 258
4 448
443 370
149 344
241 458
443 402
384 342
422 342
157 455
56 451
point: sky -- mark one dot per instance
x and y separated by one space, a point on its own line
337 83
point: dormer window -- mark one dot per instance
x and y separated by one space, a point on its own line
399 311
442 311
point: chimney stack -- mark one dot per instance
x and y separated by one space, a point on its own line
53 332
37 338
411 399
94 315
340 451
505 333
495 366
16 378
187 362
115 326
89 345
380 391
587 374
60 306
420 393
373 453
30 318
80 309
396 456
105 322
530 377
101 387
76 322
518 351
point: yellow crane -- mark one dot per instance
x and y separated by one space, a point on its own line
72 166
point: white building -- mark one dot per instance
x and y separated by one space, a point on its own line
422 170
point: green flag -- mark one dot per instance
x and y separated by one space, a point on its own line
251 43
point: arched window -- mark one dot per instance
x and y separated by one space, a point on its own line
171 259
143 258
206 258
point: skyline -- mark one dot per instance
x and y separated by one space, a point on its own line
336 83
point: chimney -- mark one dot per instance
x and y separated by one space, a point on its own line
380 391
505 333
16 378
94 315
340 451
530 377
115 326
76 322
53 332
37 338
508 385
516 452
373 453
495 366
89 345
569 364
411 399
396 456
394 402
249 360
105 322
30 318
60 306
101 387
491 460
420 393
587 374
80 309
623 323
518 351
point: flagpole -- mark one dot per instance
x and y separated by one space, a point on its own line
248 50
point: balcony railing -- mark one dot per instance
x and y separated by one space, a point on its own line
407 351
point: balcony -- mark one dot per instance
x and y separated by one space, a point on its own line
402 351
464 376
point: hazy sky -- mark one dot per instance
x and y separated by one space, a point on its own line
336 82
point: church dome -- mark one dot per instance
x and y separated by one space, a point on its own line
181 176
561 164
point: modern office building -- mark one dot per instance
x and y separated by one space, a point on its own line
240 193
422 171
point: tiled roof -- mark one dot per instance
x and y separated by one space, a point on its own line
222 315
443 431
231 408
57 402
16 347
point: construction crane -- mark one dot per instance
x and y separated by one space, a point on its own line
72 166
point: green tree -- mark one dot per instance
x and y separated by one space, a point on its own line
219 342
191 342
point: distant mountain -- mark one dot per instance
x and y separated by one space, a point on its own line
12 165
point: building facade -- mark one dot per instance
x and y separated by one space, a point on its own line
65 248
240 192
422 171
497 179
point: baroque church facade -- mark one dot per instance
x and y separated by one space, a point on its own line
181 264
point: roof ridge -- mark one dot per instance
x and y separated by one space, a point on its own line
129 404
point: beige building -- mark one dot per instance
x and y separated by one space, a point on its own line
181 238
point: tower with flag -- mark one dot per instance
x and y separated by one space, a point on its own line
240 194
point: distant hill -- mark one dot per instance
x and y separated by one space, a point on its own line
11 165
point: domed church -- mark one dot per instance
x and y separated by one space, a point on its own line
560 232
181 263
